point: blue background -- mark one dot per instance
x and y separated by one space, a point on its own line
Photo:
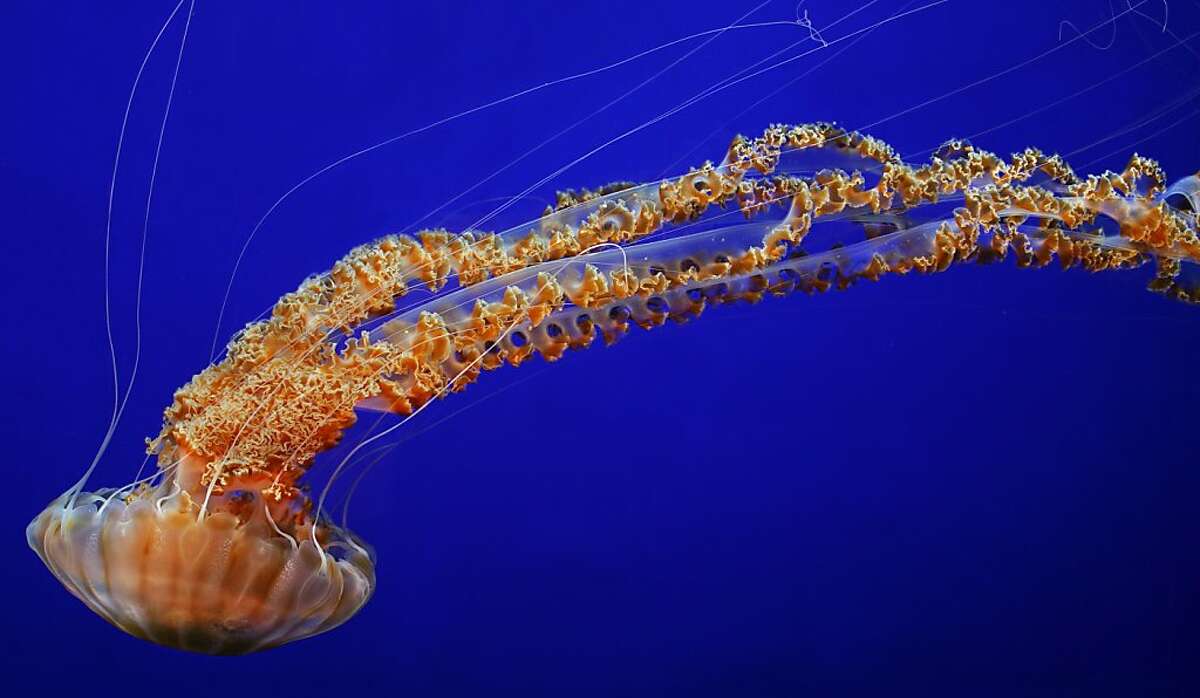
982 482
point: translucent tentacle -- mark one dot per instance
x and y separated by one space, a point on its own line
550 308
603 260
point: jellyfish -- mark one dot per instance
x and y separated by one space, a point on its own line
227 549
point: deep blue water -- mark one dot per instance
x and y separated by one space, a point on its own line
981 482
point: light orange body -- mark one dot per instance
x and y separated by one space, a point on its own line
227 553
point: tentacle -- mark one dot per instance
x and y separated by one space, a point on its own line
620 255
550 308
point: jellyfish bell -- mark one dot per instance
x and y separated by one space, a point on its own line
230 580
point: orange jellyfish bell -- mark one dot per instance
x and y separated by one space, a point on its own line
228 582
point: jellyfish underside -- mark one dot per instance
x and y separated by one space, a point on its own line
223 551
